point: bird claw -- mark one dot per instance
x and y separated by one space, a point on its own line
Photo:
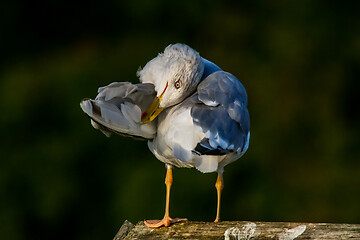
166 221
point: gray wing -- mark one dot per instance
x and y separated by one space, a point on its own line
118 108
220 110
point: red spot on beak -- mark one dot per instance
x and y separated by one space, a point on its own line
143 115
153 110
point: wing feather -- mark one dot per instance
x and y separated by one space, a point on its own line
118 107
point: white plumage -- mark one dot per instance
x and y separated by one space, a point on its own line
192 113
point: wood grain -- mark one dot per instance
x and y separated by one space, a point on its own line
229 230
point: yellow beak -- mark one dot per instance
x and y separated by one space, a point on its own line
153 110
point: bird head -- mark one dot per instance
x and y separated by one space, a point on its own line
175 75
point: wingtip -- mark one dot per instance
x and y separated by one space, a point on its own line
85 105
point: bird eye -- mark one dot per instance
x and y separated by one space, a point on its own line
177 84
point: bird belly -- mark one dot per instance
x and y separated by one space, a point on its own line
166 156
176 137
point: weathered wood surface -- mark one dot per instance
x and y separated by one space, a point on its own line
240 230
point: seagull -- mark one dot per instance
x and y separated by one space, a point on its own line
192 113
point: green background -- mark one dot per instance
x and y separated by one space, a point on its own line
61 179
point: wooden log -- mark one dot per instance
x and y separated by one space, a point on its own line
239 230
124 230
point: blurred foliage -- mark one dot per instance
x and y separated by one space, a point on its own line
298 60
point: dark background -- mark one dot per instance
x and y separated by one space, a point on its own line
61 179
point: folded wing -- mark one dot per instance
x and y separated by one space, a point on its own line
220 112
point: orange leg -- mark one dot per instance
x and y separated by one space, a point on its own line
219 187
167 220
